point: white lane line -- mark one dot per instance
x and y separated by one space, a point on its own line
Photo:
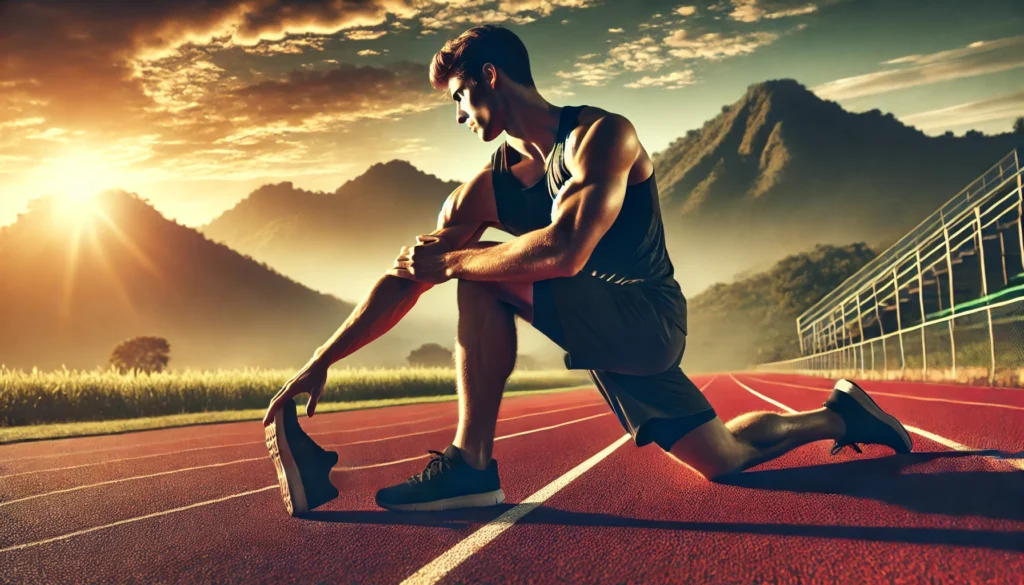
443 406
136 519
108 482
444 428
256 491
425 455
202 438
248 443
448 561
877 393
926 434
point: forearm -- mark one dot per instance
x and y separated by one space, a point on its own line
533 256
383 307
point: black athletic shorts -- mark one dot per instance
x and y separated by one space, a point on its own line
631 348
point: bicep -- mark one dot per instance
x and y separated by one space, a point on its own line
591 200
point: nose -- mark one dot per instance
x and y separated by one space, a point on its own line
460 116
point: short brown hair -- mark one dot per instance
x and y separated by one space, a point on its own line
464 56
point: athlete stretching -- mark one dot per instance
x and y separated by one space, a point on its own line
588 268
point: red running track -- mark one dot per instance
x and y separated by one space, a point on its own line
201 504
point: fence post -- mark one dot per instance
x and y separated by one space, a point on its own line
881 330
952 295
920 296
899 323
860 326
984 292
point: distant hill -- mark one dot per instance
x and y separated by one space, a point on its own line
753 320
72 286
775 173
337 242
781 170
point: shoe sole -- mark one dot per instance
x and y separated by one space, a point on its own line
292 491
866 402
469 501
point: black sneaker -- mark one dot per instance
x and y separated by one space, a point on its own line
865 422
303 468
447 483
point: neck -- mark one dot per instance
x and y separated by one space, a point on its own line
531 122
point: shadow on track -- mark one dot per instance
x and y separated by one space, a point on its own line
991 494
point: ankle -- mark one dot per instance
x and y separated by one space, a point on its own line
834 422
475 459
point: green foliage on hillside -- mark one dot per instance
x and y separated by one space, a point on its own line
753 320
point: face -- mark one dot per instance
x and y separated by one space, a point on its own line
475 107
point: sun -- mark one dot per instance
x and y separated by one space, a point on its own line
76 179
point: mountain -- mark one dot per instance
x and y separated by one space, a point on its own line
338 242
75 281
781 170
732 326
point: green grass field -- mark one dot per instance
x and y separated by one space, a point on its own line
108 400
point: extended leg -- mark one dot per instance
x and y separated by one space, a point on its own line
716 448
485 354
850 416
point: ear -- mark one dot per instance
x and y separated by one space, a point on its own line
490 76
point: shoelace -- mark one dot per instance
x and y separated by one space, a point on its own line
438 463
840 446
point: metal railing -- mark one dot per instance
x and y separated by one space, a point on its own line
961 270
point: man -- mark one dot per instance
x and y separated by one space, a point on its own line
588 268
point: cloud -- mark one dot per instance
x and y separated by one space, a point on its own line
715 46
473 12
643 54
755 10
289 46
1005 107
616 30
367 52
977 58
686 10
674 80
365 35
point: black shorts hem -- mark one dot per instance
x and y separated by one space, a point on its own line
666 432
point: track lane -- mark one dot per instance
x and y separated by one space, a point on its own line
250 538
806 517
201 478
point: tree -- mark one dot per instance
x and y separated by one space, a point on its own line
430 355
142 354
1018 126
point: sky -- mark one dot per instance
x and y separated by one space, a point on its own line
193 104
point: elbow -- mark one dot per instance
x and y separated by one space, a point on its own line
570 264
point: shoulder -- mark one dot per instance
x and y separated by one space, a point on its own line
601 137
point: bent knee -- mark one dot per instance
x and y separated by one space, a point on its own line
712 451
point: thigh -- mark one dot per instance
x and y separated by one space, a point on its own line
711 450
517 294
607 326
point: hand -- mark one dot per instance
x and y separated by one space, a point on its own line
424 262
311 379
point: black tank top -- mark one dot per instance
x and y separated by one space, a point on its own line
631 253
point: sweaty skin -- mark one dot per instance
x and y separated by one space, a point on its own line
603 154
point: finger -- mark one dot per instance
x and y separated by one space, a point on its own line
311 404
271 412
